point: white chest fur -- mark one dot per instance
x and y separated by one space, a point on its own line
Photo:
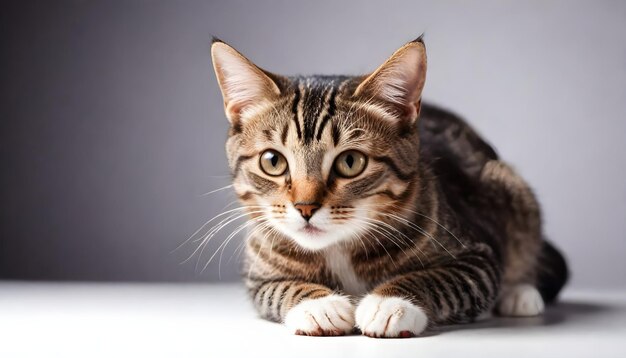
340 264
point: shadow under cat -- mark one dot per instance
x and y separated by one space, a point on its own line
561 313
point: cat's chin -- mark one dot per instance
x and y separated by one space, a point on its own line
312 230
313 237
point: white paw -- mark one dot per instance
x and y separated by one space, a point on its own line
520 301
379 316
327 316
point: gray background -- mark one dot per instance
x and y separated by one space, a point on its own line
112 124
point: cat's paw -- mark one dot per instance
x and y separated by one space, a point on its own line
520 301
378 316
327 316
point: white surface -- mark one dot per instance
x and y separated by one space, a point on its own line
153 320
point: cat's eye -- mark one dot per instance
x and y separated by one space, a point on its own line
350 163
273 163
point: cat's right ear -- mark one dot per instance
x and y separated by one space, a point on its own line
243 84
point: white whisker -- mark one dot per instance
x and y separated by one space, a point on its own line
216 190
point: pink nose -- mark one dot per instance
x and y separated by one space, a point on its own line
307 209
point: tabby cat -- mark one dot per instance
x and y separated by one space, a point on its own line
373 211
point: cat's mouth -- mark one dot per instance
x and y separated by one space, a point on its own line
311 229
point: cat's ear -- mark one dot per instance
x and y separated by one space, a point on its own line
398 83
243 84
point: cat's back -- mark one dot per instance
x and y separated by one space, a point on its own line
456 156
450 145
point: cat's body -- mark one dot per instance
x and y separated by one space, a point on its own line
351 194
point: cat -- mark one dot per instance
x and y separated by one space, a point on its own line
373 211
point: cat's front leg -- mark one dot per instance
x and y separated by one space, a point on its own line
305 308
407 304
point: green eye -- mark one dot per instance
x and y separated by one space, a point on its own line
350 163
273 163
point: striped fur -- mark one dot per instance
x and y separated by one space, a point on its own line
436 218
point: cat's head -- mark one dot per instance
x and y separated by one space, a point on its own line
323 159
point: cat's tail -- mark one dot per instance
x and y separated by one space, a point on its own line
552 272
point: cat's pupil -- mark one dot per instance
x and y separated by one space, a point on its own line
349 160
274 160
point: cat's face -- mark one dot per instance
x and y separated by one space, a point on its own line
322 159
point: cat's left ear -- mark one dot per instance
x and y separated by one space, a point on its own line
398 83
243 84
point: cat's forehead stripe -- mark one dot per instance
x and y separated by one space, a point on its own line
295 111
314 105
330 112
285 131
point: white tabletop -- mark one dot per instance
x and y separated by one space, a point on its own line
193 320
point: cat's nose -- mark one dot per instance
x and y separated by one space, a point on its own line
307 209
